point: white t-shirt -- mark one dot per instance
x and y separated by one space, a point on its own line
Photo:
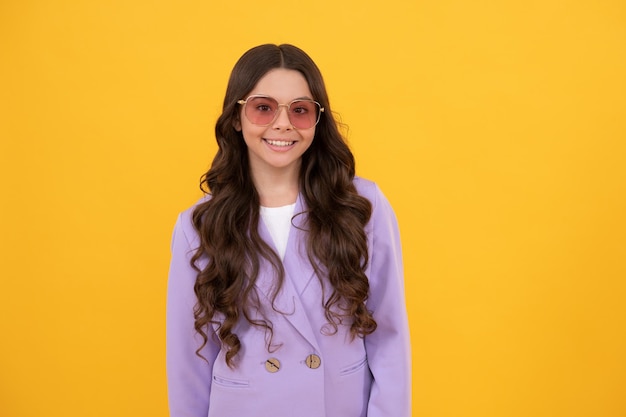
278 221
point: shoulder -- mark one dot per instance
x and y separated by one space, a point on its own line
365 187
370 190
187 213
184 223
382 211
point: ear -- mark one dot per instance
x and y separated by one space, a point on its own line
237 124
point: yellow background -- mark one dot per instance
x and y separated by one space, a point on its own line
495 128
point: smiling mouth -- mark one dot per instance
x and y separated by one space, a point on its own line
280 142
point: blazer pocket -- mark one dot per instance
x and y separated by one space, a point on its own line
354 367
230 383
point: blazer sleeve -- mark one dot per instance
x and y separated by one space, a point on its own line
388 348
188 376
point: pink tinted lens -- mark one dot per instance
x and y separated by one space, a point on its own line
261 110
303 114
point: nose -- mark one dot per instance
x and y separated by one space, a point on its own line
282 118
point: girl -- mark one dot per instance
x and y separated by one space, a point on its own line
285 293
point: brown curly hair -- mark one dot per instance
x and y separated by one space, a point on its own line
228 221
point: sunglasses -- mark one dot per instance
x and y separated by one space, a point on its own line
263 110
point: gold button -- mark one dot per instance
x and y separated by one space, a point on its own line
313 361
272 365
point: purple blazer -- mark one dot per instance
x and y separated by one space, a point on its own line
307 373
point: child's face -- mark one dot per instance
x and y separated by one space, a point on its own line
279 145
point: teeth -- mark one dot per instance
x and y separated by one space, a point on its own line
279 142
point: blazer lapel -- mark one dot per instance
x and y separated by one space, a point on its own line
298 273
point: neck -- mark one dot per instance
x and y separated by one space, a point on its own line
277 187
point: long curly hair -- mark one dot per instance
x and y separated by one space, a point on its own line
228 221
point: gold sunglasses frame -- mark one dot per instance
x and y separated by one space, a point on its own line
286 106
